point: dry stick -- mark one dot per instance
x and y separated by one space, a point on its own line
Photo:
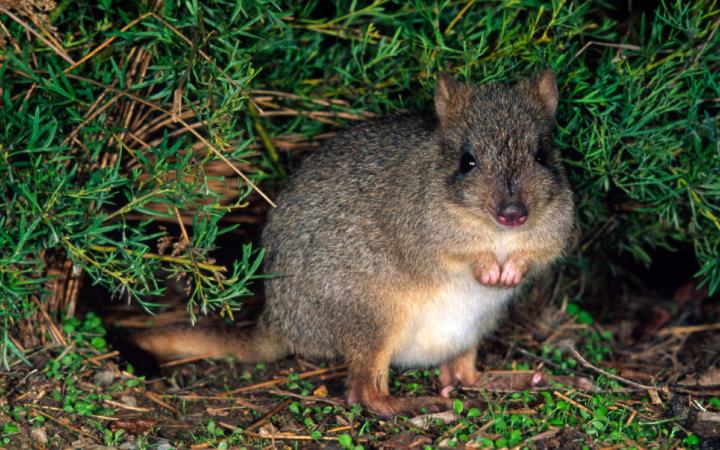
632 417
539 437
57 334
484 428
339 429
309 398
153 397
605 44
201 398
276 381
322 102
267 416
572 402
184 124
57 50
202 446
676 331
571 348
97 358
450 432
177 362
293 437
124 406
62 423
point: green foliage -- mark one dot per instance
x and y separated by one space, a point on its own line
637 123
87 341
602 417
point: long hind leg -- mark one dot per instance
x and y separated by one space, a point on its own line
368 385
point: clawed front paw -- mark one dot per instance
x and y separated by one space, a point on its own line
488 274
511 273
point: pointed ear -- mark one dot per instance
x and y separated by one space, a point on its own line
445 93
544 88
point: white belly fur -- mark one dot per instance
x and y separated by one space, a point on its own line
456 318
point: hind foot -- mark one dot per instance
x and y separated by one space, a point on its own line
461 371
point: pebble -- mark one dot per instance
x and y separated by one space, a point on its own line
104 378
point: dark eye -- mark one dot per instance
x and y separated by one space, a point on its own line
541 156
467 163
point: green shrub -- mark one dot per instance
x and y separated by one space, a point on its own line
94 167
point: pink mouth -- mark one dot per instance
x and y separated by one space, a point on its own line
512 220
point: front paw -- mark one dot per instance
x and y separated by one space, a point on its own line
488 273
512 273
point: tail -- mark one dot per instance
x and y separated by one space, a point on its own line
245 345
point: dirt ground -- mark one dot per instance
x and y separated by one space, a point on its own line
651 358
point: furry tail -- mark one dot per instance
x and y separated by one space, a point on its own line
249 345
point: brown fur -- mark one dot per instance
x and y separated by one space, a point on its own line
460 370
375 232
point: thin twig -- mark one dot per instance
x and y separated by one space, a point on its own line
294 437
276 381
124 406
267 416
572 402
605 44
571 348
190 359
677 331
63 423
307 398
153 397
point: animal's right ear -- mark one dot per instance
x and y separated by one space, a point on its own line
543 89
446 92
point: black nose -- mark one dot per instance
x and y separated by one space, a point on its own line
512 214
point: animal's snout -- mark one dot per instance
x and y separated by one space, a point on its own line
512 214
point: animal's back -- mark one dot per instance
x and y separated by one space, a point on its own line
331 237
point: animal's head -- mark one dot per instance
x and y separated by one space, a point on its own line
498 158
